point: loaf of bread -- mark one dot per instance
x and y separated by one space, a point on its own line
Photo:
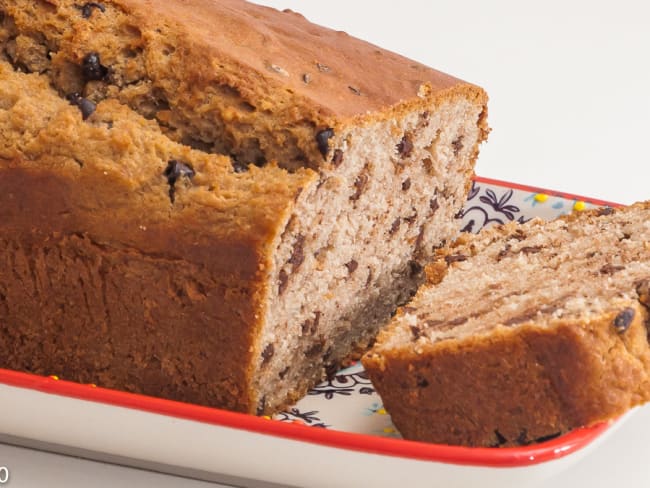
523 332
214 201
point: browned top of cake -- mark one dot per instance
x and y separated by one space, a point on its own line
335 73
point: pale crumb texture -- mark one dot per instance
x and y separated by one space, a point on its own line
523 332
195 204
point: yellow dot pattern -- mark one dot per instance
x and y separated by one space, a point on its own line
541 197
579 206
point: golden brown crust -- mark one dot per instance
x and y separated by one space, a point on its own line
239 65
328 73
516 386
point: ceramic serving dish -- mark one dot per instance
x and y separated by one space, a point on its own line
338 435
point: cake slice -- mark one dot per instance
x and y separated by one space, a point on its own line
213 201
523 332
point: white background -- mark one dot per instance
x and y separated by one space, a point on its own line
569 86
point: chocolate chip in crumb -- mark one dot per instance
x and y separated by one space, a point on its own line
623 320
610 269
174 171
87 107
261 405
605 211
297 254
434 205
458 321
405 146
87 9
406 184
395 226
455 258
92 67
360 185
415 332
267 353
283 279
352 266
237 166
337 159
643 291
457 145
322 139
411 218
422 382
531 249
283 373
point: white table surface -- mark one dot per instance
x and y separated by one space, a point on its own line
569 85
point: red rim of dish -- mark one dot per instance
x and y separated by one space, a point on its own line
488 457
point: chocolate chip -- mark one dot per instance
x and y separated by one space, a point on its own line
421 382
518 235
458 321
267 353
87 9
331 369
457 144
395 226
297 254
283 373
643 290
415 269
177 169
411 218
86 106
310 326
337 159
360 185
315 349
623 320
530 249
434 205
610 269
523 317
406 184
237 166
500 438
283 279
322 139
522 438
415 332
405 147
504 253
435 323
92 67
355 90
352 266
261 405
605 211
455 258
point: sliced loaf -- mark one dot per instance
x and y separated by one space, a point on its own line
134 256
523 332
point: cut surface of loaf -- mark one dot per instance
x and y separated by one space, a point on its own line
214 202
523 332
